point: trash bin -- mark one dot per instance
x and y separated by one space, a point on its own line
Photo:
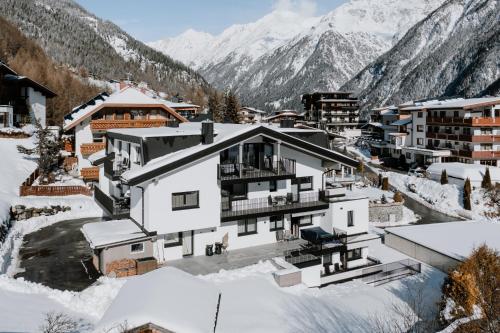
218 248
209 250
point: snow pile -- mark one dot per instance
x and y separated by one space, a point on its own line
15 168
23 304
447 199
27 129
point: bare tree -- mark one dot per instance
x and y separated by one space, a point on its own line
57 322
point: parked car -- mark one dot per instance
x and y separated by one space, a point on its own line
417 172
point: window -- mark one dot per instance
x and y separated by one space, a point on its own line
420 128
408 155
354 254
137 247
273 186
350 218
137 155
304 183
420 141
420 114
239 191
185 200
170 240
276 223
247 227
455 114
305 220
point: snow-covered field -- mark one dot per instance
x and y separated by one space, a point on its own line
14 169
447 198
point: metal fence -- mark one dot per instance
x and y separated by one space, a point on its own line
386 272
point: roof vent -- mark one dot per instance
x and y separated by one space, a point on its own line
207 132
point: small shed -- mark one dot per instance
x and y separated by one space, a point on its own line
426 243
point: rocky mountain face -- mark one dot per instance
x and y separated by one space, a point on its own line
454 51
274 60
73 36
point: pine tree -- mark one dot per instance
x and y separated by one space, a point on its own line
215 107
486 183
467 194
231 108
444 177
46 150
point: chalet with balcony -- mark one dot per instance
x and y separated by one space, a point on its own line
249 115
336 112
129 107
21 99
238 185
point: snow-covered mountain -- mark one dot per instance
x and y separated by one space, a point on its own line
272 61
454 51
73 36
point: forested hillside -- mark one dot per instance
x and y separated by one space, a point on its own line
27 58
71 35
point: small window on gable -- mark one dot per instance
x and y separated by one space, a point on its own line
137 248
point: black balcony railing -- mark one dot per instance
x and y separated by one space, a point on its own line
271 205
115 166
115 207
279 169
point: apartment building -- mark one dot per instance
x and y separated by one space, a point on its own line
336 111
249 115
240 185
130 107
453 130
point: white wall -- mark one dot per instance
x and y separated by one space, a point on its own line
201 176
83 134
337 216
37 102
306 165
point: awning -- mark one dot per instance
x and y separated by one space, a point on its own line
316 235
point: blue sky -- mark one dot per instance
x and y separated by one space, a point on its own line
149 20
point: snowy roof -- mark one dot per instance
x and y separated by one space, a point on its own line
337 100
93 158
127 96
375 124
184 129
474 172
253 109
283 114
461 237
175 105
226 134
401 122
166 297
100 234
452 103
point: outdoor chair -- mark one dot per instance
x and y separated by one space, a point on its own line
280 235
225 243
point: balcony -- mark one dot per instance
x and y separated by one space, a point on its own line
87 149
241 172
90 174
480 154
103 124
291 203
477 121
117 208
114 167
487 138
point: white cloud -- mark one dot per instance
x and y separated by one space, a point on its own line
305 8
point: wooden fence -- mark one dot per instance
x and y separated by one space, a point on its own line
45 190
50 191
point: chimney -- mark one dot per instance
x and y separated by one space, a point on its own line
123 85
207 132
287 123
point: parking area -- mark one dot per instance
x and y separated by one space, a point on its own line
58 256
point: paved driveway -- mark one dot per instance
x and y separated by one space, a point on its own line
58 256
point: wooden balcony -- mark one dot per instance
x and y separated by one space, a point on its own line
485 138
480 154
477 121
103 125
464 137
89 148
90 174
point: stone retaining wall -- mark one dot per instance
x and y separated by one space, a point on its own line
379 212
21 212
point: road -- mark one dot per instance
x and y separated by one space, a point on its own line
58 256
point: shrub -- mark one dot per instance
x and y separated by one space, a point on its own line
486 183
398 197
467 194
444 177
385 183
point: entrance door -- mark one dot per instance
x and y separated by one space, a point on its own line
187 243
